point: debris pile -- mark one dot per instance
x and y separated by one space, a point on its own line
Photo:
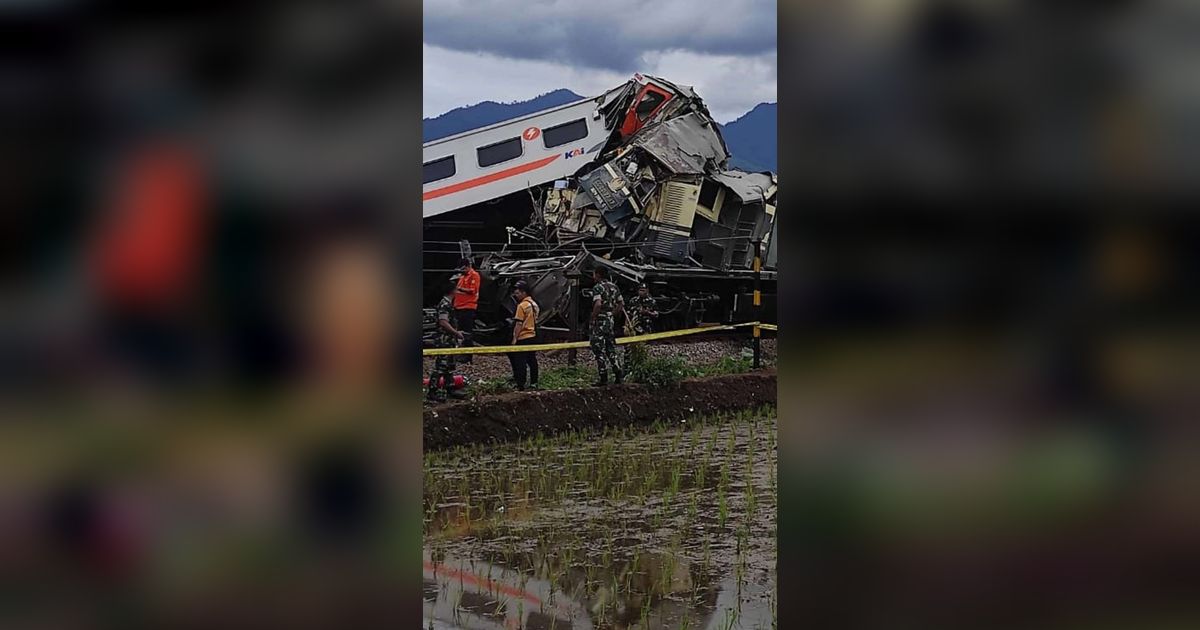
661 191
656 202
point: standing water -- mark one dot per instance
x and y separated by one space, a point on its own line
671 526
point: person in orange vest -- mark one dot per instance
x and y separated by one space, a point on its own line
524 333
466 301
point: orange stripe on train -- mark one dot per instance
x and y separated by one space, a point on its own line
487 179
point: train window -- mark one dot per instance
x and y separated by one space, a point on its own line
650 102
438 169
564 133
499 152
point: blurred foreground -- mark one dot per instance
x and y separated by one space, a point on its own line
989 344
203 343
991 423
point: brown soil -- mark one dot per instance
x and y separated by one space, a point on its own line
523 414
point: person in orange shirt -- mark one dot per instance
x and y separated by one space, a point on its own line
466 301
524 333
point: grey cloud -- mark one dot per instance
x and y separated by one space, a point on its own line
609 35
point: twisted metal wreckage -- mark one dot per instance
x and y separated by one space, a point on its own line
659 203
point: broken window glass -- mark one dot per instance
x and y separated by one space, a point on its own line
438 169
499 152
567 132
708 193
650 102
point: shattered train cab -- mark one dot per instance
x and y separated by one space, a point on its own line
643 187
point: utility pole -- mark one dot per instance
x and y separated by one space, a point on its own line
757 303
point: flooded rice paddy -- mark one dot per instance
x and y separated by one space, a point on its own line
667 527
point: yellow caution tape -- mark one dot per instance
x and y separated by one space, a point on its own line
671 333
537 347
434 352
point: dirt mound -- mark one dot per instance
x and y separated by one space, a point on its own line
523 414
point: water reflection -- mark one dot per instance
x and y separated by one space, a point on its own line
657 592
673 529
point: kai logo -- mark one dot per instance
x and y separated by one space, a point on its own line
573 153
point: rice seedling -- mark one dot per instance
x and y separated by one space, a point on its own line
751 502
676 478
667 574
722 507
730 621
599 554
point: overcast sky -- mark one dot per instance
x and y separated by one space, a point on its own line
509 50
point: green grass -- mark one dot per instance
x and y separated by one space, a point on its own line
640 367
568 377
661 371
727 365
489 386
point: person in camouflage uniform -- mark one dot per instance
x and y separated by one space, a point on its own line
606 300
642 311
448 337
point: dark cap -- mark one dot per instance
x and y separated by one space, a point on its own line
522 285
463 262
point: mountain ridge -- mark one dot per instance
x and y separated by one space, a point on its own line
486 113
751 137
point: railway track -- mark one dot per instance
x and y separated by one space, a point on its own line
560 335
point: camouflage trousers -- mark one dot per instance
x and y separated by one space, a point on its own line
443 368
604 346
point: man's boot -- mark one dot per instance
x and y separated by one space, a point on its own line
602 382
620 376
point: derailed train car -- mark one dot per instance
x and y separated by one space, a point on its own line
650 195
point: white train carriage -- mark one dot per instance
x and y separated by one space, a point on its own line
490 162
